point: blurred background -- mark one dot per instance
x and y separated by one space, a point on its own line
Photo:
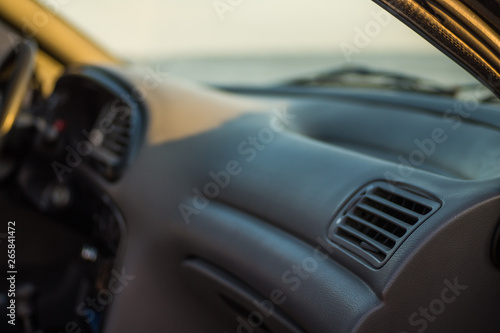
256 41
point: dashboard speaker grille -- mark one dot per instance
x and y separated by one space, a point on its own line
379 217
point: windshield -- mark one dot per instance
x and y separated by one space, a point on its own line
258 41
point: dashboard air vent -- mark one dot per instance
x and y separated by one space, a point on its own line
114 142
375 222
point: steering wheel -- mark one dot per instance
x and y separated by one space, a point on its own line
22 60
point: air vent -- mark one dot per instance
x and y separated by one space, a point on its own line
376 221
117 141
113 138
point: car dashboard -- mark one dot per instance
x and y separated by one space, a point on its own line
243 209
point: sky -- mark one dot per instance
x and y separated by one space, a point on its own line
139 29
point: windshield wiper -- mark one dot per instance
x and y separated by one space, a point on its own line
367 78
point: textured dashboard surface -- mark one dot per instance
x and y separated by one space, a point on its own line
276 172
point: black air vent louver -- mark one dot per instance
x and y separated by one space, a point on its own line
114 141
117 141
378 219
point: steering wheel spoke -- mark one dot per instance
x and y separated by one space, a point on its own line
17 85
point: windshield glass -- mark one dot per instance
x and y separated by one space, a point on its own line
258 41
